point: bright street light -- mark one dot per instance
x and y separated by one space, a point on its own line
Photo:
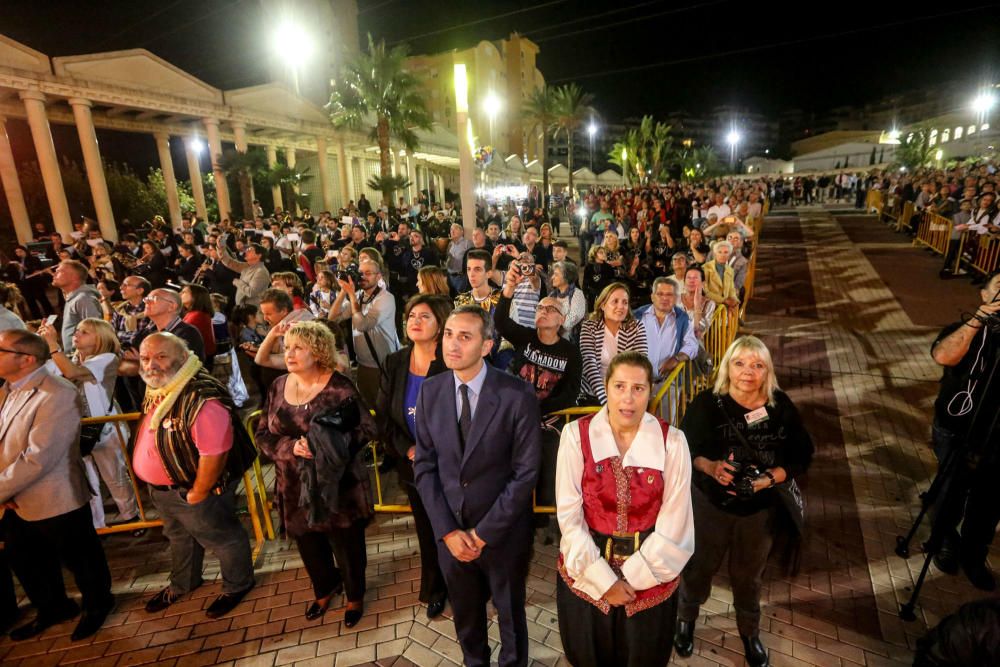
197 145
294 46
592 130
983 103
733 138
492 106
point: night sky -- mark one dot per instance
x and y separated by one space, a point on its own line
808 55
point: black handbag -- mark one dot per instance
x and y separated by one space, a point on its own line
90 435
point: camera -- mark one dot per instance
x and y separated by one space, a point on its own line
527 268
350 272
744 475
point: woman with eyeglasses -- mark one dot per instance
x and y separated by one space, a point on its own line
405 371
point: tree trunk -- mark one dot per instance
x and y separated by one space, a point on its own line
385 166
246 193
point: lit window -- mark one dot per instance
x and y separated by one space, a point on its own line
934 138
984 127
945 136
958 133
971 130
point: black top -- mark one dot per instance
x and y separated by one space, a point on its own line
553 371
963 376
780 440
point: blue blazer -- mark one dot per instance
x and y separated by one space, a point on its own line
490 486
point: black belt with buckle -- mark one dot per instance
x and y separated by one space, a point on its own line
621 545
170 487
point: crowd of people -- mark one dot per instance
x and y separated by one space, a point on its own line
463 348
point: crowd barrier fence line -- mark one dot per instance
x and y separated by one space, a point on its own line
258 518
934 232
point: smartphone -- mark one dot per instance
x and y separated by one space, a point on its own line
51 319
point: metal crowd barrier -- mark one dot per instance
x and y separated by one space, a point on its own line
256 520
987 257
934 232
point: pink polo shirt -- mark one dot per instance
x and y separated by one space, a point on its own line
212 433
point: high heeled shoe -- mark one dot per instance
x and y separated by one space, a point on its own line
318 608
353 614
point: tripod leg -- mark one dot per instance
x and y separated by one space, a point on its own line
927 500
906 610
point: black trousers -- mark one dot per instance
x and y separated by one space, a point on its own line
499 573
37 549
592 638
748 540
432 584
968 496
335 557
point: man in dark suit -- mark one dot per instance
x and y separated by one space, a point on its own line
476 464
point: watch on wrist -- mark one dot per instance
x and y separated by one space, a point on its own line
770 476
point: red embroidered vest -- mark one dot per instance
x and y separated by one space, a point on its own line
620 500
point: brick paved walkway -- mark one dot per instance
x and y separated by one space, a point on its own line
858 369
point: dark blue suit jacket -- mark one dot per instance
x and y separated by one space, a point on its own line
490 487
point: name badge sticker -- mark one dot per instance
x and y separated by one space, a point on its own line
758 415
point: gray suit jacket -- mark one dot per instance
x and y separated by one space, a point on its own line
40 465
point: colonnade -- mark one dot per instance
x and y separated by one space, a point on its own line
421 176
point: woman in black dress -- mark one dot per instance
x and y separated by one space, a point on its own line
748 444
405 370
302 409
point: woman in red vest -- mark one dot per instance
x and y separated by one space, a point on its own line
623 501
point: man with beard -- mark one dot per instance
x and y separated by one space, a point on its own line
192 451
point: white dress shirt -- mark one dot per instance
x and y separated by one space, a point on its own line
668 548
475 386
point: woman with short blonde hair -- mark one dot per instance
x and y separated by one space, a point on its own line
748 444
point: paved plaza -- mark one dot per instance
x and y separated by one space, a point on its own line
849 310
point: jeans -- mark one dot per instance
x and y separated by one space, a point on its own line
211 524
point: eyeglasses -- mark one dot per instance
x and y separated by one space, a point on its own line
8 351
152 298
551 309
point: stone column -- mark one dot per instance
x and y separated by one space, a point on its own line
48 163
324 173
214 152
293 207
197 187
95 169
272 162
342 167
411 174
12 188
351 185
169 178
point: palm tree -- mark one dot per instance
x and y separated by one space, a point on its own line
632 163
572 108
538 115
377 83
243 167
916 150
288 178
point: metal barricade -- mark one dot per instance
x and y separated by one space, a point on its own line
934 232
144 522
987 257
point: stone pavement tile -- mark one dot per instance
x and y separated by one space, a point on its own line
356 656
144 656
292 654
237 651
81 654
259 660
200 659
337 644
422 656
182 648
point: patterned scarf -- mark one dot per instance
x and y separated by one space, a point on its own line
165 397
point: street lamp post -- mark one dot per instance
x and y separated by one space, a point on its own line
466 178
592 130
624 167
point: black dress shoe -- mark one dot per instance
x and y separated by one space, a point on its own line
44 621
353 616
225 603
435 608
684 638
979 574
161 600
92 620
754 651
316 610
